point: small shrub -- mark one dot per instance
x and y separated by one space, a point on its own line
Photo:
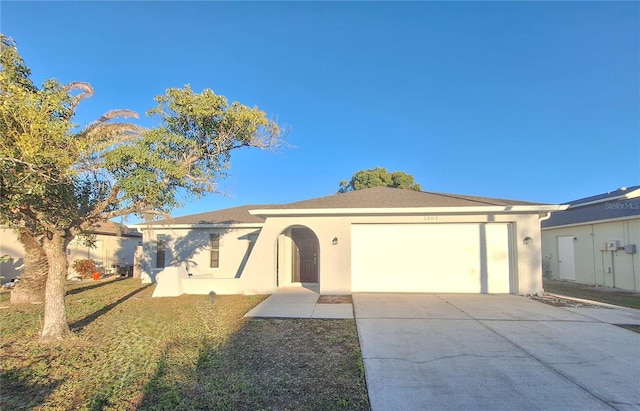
85 267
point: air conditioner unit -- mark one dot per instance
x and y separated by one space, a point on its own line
612 245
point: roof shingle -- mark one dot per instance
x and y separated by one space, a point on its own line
385 197
375 197
600 207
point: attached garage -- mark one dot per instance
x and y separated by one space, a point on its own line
442 258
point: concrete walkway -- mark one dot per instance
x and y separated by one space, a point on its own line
299 302
495 352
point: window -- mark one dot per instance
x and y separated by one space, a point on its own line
160 251
214 247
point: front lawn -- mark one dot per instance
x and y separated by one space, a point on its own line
133 352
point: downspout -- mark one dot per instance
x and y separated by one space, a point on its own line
544 216
593 253
613 268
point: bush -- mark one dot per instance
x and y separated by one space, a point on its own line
85 267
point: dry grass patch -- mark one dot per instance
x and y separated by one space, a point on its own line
604 295
133 352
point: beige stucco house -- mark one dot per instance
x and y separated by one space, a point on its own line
595 240
114 245
373 240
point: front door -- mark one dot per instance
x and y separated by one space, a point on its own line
305 256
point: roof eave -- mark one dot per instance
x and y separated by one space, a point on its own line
514 209
591 222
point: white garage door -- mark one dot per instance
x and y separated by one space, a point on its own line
442 258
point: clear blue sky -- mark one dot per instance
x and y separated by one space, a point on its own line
535 101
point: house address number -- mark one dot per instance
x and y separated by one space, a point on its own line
431 218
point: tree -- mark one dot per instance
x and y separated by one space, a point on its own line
58 180
31 287
378 177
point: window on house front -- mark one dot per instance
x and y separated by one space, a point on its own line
214 247
160 251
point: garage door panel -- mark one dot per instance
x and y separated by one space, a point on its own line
442 258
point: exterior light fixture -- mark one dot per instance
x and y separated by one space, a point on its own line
527 240
334 241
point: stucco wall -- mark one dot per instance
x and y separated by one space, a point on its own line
190 249
335 260
593 265
267 267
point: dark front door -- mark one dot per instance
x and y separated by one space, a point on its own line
305 255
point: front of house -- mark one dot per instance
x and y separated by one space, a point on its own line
373 240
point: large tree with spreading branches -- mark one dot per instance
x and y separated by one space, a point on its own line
57 179
378 177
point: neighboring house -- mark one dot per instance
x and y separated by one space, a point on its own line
9 245
373 240
113 245
595 241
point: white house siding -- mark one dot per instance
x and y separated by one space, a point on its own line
593 265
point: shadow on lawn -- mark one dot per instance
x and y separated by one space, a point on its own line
80 324
16 394
81 289
266 364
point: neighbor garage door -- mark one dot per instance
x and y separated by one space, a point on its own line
443 258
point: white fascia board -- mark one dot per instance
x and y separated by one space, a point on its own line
187 226
517 209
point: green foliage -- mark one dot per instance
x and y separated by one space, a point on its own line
378 177
87 239
85 267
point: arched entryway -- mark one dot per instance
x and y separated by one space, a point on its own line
298 257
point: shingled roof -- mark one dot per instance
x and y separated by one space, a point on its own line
385 197
621 203
235 215
376 197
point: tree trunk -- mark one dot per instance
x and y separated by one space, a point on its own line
55 312
30 288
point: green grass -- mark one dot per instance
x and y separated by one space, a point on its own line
133 352
605 295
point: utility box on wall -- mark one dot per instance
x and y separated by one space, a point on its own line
611 245
630 248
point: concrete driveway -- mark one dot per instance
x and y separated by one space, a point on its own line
495 352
